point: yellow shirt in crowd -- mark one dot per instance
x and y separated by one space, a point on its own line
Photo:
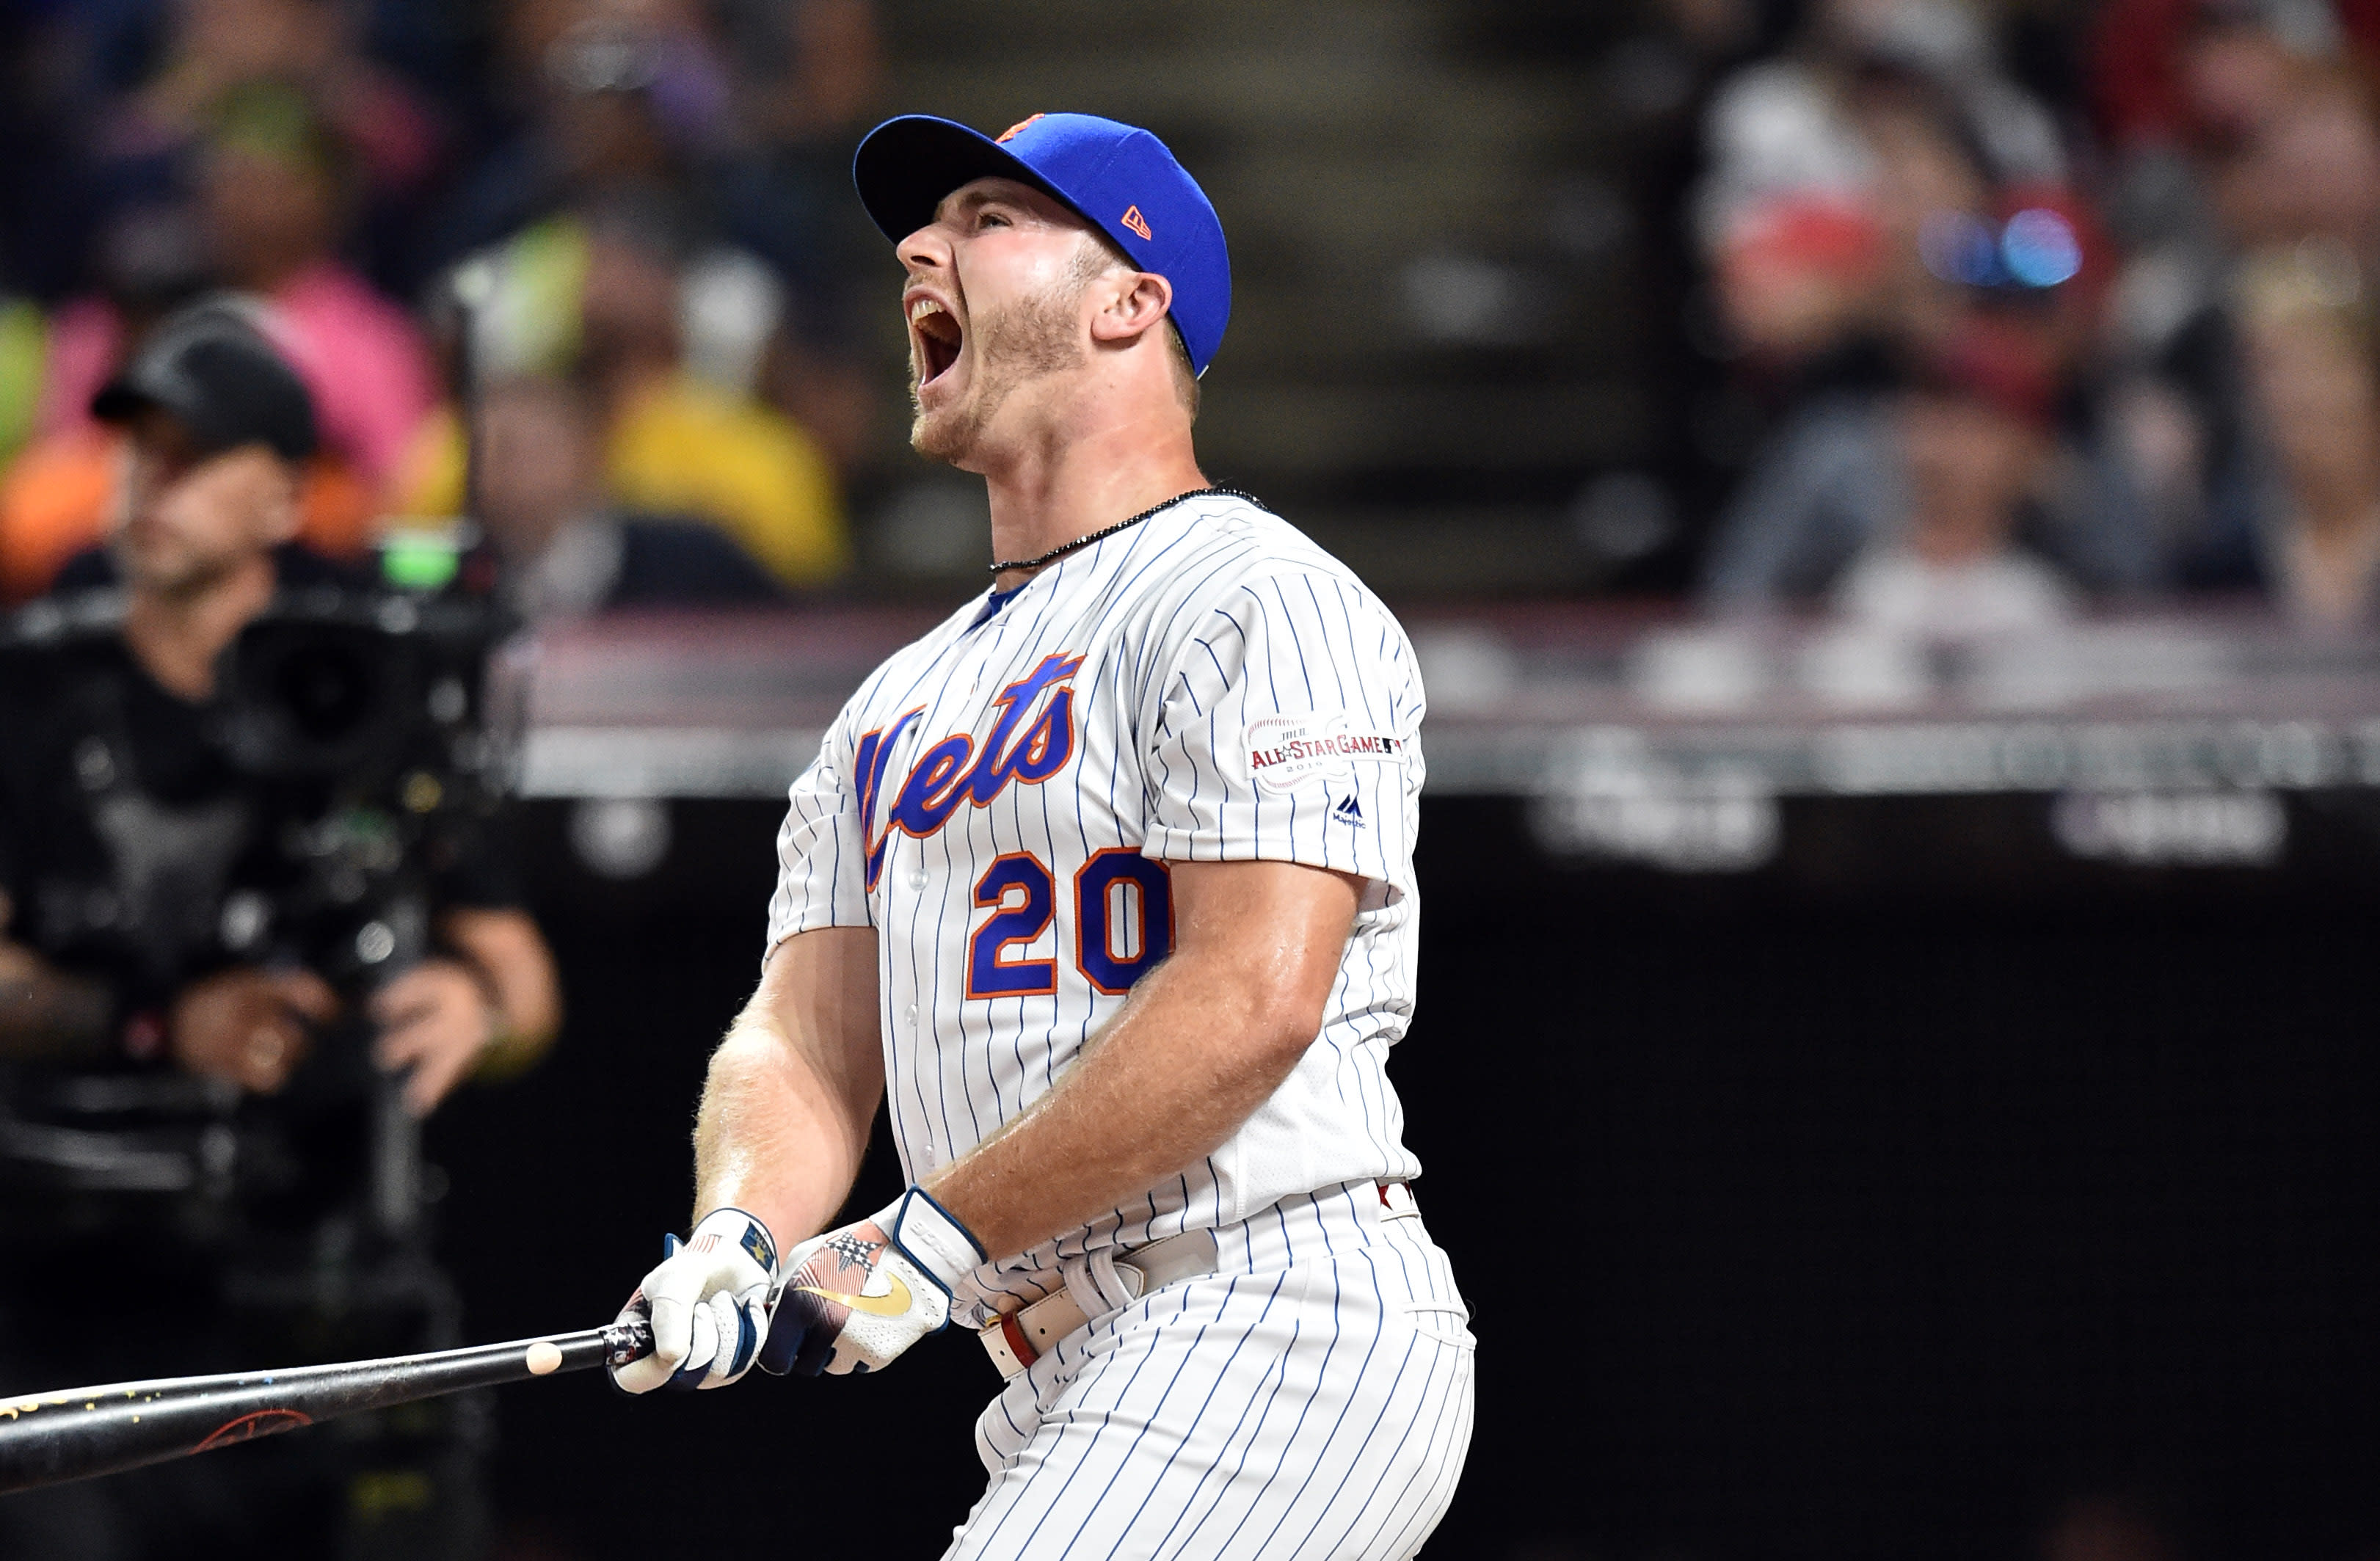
682 448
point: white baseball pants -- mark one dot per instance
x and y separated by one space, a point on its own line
1311 1400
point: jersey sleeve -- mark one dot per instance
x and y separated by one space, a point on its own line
1288 730
821 854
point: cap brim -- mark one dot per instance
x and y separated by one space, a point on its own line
123 400
120 401
907 166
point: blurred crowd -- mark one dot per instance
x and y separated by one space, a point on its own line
2018 340
2005 308
625 223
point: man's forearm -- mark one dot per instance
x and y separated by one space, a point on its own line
1189 1060
769 1140
508 954
48 1016
1202 1042
794 1088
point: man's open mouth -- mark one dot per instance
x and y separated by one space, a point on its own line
938 339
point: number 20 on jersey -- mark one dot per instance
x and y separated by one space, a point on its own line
1122 916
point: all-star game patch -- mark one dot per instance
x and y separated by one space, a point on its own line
1288 751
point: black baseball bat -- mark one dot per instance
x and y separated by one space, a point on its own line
46 1438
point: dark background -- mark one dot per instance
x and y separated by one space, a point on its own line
1898 1212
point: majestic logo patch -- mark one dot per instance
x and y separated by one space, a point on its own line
1285 752
1349 811
1023 746
1135 221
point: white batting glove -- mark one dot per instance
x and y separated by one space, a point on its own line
709 1305
856 1298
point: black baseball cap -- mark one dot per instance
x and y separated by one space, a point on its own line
218 375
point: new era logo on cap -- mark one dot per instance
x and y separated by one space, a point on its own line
1118 178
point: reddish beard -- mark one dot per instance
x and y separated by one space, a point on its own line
1012 345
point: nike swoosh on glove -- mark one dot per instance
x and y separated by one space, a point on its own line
709 1305
856 1298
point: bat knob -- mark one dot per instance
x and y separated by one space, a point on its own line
631 1338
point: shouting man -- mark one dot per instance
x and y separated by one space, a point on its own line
1106 887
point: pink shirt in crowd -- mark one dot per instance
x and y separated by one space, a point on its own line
358 353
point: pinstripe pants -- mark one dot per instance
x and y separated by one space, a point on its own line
1311 1399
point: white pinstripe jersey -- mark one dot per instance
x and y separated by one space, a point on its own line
998 799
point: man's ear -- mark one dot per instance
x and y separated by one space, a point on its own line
1136 302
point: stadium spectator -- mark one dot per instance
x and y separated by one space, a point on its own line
2171 72
613 297
144 144
273 194
565 550
1885 194
269 216
2308 332
735 119
1972 454
2238 125
683 443
1889 115
1903 510
620 98
805 73
2308 167
62 466
805 76
223 47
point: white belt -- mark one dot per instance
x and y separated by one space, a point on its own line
1016 1340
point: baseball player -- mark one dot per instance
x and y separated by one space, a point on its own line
1105 887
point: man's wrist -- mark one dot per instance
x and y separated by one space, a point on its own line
486 1059
742 1228
504 1050
931 1237
491 1001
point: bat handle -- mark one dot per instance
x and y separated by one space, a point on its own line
630 1338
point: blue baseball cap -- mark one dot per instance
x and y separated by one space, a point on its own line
1118 178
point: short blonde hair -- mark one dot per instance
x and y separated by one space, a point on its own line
2315 284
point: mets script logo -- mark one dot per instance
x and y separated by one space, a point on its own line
1031 741
1286 751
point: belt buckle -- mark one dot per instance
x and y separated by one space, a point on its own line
1004 1341
1016 1340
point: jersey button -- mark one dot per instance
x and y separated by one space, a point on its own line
918 879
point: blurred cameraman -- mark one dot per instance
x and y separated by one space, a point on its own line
161 1214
